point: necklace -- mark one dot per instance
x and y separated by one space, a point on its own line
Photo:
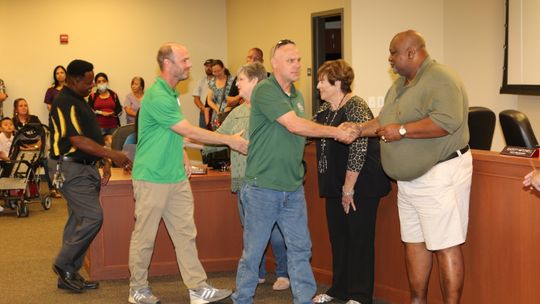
323 162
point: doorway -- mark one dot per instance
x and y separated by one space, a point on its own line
327 33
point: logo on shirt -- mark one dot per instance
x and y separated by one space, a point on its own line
300 107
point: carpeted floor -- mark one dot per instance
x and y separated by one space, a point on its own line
29 245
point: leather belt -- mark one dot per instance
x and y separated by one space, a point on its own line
456 154
76 160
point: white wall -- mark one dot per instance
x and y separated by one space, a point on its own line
120 38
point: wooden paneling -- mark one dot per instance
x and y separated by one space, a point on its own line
219 234
502 248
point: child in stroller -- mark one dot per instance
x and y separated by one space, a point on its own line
19 176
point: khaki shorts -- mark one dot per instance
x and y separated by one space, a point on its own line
434 208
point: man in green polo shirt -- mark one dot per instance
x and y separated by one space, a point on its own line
273 192
424 132
161 185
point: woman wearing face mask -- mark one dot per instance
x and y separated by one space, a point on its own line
107 107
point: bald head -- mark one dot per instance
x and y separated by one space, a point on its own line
167 51
254 55
407 53
410 39
174 63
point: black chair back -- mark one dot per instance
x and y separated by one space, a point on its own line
517 129
119 136
481 128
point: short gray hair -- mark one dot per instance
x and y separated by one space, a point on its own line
254 70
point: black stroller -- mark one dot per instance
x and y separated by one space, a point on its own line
20 177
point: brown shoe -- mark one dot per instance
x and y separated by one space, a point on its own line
55 194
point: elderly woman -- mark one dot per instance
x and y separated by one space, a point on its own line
132 103
352 182
237 121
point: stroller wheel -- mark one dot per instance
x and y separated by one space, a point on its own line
22 209
46 202
12 204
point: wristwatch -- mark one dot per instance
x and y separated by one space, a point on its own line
402 131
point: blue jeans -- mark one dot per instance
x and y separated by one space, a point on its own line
277 242
263 208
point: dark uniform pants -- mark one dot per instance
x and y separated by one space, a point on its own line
81 191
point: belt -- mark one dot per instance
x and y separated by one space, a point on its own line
75 160
456 154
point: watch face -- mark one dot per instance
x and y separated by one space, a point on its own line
402 131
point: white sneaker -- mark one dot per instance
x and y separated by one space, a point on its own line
281 283
322 298
353 302
207 294
142 296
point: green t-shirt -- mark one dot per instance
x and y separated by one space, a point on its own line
275 154
437 93
160 150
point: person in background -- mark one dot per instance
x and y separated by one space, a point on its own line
352 182
59 76
21 114
424 132
3 96
218 88
532 179
273 190
234 98
106 106
76 147
6 139
248 76
21 117
201 91
133 99
160 182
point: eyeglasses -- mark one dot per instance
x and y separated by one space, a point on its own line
281 43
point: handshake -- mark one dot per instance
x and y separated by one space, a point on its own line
348 132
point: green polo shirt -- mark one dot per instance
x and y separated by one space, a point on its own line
160 151
438 93
275 154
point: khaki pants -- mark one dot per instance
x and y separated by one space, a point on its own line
173 203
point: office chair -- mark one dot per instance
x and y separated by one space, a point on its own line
119 136
481 128
517 129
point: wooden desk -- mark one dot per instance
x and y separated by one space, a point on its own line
219 234
503 243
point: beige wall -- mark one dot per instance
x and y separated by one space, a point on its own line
119 37
374 23
474 39
123 38
263 23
